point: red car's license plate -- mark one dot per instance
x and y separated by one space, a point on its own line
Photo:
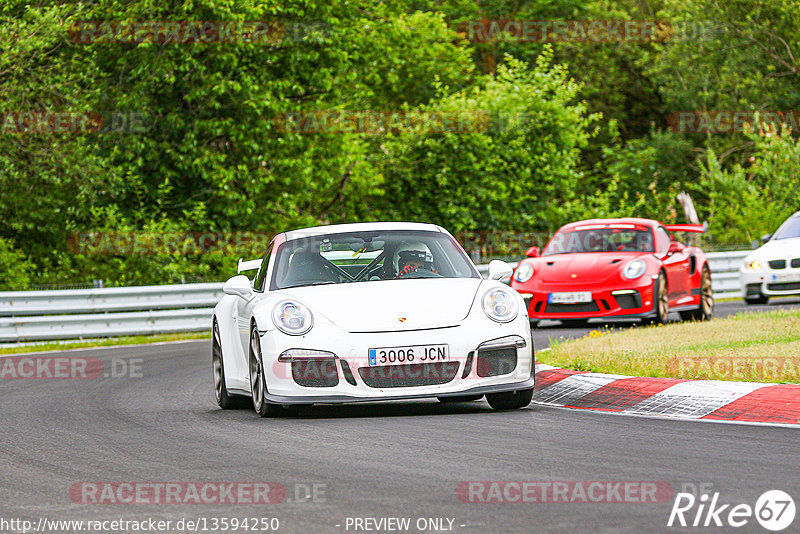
572 297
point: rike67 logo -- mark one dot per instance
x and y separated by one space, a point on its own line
774 510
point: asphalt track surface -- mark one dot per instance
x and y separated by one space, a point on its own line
400 459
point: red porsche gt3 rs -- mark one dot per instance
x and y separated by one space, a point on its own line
623 268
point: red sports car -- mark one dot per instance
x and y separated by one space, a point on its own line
623 268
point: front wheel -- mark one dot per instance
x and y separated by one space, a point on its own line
225 400
661 297
706 308
510 400
258 383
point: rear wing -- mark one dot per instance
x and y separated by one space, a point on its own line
249 265
696 228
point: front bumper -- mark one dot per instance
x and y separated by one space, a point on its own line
631 300
770 282
347 373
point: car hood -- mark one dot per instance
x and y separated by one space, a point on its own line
391 305
587 267
778 249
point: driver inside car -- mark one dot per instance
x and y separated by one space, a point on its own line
411 257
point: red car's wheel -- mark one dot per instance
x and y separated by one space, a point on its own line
706 308
661 298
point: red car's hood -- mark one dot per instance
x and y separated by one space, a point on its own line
586 266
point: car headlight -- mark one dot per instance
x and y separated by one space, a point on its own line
523 272
292 318
752 265
500 305
634 269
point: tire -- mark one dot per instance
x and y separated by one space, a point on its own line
706 308
574 323
660 301
510 400
760 299
225 400
258 384
460 398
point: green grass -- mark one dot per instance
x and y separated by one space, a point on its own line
752 347
107 342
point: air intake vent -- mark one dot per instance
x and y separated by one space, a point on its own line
315 373
401 376
495 362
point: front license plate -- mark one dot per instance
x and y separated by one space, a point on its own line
786 277
572 297
409 354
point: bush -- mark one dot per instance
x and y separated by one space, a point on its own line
15 270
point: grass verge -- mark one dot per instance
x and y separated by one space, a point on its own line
106 342
751 347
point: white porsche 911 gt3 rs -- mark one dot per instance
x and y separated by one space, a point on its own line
368 312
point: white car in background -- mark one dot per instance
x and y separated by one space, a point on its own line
773 270
370 312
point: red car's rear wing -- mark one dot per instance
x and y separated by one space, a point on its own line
696 228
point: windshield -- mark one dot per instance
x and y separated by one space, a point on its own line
601 238
790 228
369 257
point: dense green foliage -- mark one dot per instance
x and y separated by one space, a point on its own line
554 131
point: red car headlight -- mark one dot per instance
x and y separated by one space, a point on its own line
634 269
523 273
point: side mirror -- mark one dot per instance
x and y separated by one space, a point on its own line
674 247
766 237
532 252
499 270
238 286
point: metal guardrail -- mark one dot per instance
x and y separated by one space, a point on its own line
114 311
111 299
725 272
127 311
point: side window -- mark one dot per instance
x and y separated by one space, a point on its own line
662 240
258 283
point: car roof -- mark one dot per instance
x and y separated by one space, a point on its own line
360 227
620 220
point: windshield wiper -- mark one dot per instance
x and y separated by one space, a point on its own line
321 283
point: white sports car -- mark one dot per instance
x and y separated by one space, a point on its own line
774 269
368 312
